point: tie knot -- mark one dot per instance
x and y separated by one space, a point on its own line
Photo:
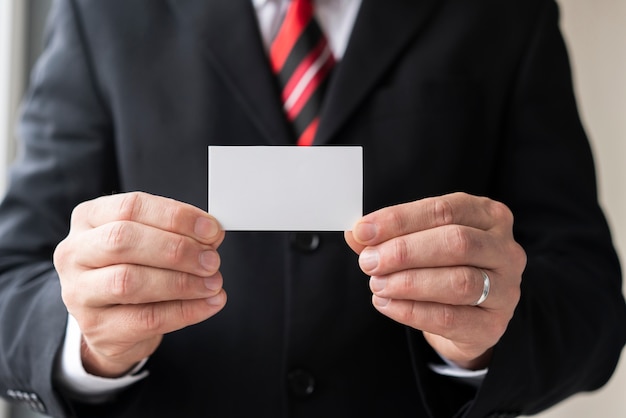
307 3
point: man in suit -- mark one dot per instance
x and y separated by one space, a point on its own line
451 100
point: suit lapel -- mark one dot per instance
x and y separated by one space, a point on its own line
227 32
381 32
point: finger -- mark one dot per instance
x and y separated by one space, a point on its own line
352 242
132 284
446 246
452 286
453 209
135 323
156 211
462 324
132 243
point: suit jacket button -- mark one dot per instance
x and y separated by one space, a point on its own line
301 383
27 398
306 242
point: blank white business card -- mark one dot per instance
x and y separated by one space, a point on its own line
290 188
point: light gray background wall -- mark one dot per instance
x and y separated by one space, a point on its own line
596 35
35 22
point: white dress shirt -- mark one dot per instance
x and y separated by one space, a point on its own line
336 18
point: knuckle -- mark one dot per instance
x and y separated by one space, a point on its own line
394 220
406 282
446 318
175 216
61 255
457 240
442 212
400 251
406 315
69 295
174 250
186 312
117 236
179 283
463 283
81 211
520 255
151 318
76 296
500 212
113 234
70 291
130 205
120 282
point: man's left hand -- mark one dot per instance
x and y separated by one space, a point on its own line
426 260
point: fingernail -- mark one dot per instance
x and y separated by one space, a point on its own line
209 260
368 260
206 228
216 300
365 231
213 283
380 302
377 284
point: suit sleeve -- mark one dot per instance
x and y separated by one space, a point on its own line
65 156
570 325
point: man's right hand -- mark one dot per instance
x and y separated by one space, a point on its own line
134 267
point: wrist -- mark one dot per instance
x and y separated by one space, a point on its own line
476 363
101 366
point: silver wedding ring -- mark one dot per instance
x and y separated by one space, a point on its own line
486 287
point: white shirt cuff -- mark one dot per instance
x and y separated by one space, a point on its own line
471 377
73 377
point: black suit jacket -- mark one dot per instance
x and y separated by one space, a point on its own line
447 95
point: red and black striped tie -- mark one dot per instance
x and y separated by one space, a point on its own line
302 61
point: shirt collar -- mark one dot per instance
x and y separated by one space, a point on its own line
260 3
